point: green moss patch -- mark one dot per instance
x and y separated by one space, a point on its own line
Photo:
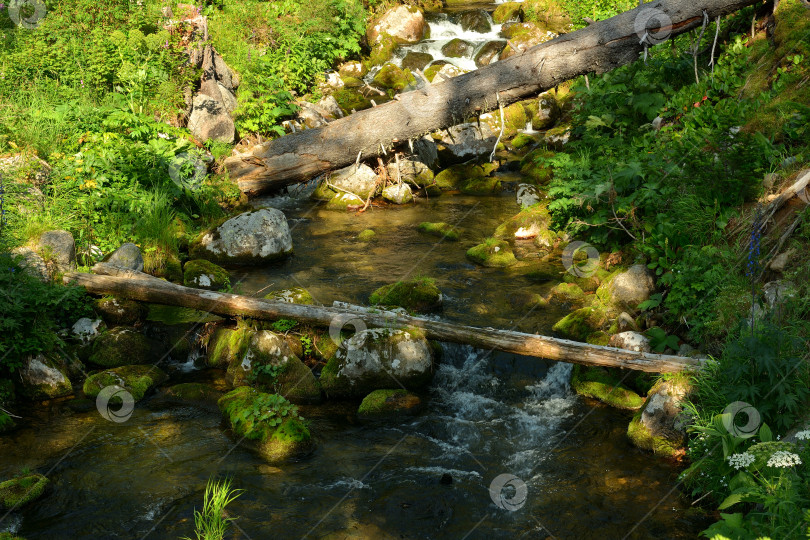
581 323
120 312
393 77
419 295
268 420
508 11
227 345
536 167
528 223
480 185
193 392
388 403
441 229
120 347
457 175
493 253
137 380
640 436
349 99
178 315
366 236
22 490
205 275
604 385
567 293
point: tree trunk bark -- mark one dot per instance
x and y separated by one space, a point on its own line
127 285
600 47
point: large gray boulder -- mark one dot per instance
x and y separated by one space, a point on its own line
405 24
31 263
631 341
628 289
398 193
412 171
128 256
43 378
360 181
250 238
210 120
661 425
60 248
377 359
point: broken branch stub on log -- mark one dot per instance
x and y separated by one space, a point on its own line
600 47
162 292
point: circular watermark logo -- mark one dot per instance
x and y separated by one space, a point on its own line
573 255
26 13
188 170
337 325
732 416
508 492
112 396
652 26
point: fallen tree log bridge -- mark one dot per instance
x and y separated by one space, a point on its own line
144 288
600 47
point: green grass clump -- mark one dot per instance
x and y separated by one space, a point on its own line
211 523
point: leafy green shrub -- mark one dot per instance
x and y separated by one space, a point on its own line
33 312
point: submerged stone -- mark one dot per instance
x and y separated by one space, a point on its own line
419 295
194 393
295 295
441 229
389 403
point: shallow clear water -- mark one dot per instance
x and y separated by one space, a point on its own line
486 415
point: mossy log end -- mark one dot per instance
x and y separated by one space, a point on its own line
160 292
598 48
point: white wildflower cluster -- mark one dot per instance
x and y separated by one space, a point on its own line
782 459
803 435
741 461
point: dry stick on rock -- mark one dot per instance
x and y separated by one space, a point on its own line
597 48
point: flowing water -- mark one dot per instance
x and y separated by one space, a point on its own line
486 415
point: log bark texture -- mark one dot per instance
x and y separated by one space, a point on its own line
600 47
125 285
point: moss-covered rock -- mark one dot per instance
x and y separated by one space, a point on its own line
548 14
382 52
350 99
642 438
352 82
270 364
277 438
521 140
137 380
393 77
599 338
434 68
508 12
381 404
456 175
367 236
121 312
515 119
441 229
416 60
371 359
194 393
525 300
22 490
412 171
44 376
480 185
528 223
343 201
226 346
120 346
567 293
205 275
172 315
543 271
489 52
252 237
492 252
581 323
457 48
605 385
295 295
420 295
536 168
